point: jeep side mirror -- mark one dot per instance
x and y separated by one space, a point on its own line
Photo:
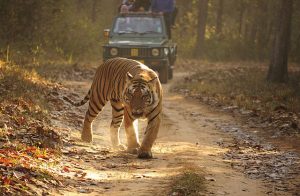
106 33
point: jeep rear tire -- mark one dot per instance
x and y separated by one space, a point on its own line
163 74
170 73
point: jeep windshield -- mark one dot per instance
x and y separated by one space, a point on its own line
138 25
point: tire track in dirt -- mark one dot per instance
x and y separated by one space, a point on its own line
182 142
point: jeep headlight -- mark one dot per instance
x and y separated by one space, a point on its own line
113 51
166 51
155 52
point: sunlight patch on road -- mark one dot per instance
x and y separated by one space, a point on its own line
96 175
174 98
112 175
183 147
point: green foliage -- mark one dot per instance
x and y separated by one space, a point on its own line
35 30
189 183
185 33
71 30
248 28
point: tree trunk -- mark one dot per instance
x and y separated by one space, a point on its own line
94 11
219 21
80 4
202 17
252 26
262 30
279 56
241 16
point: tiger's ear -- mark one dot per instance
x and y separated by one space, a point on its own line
128 76
153 80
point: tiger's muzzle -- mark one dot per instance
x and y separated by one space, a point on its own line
137 104
137 114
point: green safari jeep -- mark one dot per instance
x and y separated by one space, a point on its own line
142 37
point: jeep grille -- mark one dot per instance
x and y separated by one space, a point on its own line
142 52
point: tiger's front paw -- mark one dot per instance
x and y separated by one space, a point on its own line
132 150
144 154
86 137
118 147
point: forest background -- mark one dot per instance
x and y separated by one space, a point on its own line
71 30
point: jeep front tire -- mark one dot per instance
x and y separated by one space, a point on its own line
170 73
164 73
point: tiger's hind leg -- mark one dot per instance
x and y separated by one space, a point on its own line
93 110
117 119
131 134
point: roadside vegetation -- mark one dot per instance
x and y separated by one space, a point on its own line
190 182
29 145
245 87
242 88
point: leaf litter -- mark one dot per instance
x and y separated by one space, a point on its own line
259 159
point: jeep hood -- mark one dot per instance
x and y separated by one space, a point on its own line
137 41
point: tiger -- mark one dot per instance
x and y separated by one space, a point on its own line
134 92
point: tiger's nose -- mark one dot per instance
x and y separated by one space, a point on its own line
137 113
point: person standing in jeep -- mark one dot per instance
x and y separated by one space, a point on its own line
166 7
141 6
135 6
125 6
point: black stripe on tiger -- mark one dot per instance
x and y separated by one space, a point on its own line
100 100
119 116
150 120
117 109
131 86
80 103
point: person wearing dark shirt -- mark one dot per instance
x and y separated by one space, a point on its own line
166 7
141 5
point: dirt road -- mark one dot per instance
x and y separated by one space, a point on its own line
188 137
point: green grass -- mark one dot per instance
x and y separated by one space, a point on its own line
190 182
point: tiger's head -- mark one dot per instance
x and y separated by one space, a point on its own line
140 94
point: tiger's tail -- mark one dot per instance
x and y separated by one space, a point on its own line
80 103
